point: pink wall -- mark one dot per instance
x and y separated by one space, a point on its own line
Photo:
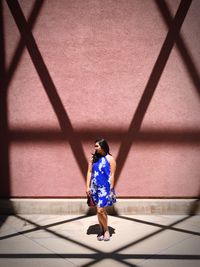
74 71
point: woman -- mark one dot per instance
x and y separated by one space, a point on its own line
100 184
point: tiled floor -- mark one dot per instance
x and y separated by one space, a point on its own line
70 240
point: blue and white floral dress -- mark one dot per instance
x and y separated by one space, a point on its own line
100 183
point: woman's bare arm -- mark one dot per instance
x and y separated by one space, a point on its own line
112 172
89 174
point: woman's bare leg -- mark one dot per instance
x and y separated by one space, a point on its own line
103 221
100 224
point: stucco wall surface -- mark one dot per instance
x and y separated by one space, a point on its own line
125 70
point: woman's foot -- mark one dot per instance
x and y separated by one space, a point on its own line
100 236
106 236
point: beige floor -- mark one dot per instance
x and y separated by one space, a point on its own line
70 240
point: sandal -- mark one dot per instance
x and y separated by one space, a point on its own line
107 237
100 237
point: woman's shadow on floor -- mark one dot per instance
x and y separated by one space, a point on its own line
94 230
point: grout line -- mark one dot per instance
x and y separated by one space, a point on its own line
40 245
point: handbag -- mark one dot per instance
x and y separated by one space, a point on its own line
90 201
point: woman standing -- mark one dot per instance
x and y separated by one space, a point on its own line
100 184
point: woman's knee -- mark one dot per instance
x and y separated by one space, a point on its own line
100 210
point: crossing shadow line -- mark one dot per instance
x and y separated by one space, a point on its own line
48 84
98 255
181 45
62 116
152 83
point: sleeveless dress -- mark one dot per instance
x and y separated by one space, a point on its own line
100 183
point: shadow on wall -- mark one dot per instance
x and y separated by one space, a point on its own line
4 133
6 78
48 84
152 83
195 207
181 45
67 132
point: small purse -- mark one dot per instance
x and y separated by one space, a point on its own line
112 197
90 201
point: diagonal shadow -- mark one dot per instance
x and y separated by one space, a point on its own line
21 45
39 227
98 255
115 252
152 234
166 227
182 48
98 252
152 83
5 78
67 129
191 212
94 228
47 82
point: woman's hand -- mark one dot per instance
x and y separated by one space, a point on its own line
87 191
113 195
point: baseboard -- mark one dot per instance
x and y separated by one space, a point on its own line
79 206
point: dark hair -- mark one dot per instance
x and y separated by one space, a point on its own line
104 145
